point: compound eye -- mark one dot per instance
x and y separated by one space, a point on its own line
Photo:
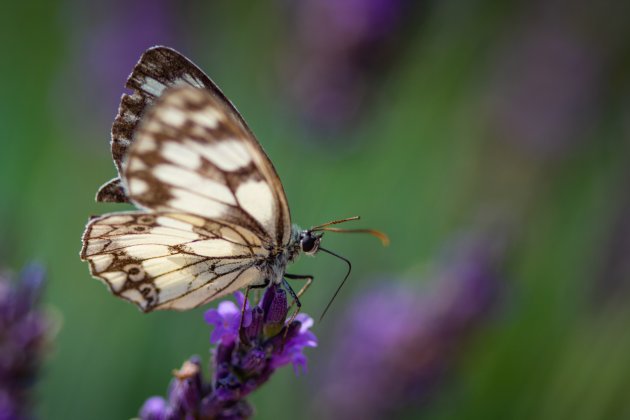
309 244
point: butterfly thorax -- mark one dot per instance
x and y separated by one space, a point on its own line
274 265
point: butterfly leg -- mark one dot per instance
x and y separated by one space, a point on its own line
296 297
262 286
309 279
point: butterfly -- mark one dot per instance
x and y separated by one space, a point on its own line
212 214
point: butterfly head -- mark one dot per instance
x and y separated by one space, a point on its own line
309 242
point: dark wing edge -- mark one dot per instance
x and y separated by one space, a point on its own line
112 192
159 68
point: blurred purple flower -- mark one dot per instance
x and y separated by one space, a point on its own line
547 87
395 343
338 47
244 359
23 331
154 409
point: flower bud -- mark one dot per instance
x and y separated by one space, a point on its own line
253 361
154 409
254 330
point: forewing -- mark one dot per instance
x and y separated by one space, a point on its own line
191 156
158 69
171 261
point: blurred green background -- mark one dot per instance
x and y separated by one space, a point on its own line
479 113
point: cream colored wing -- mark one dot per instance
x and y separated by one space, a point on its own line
171 261
192 155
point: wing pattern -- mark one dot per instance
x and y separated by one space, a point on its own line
189 157
214 217
159 68
171 261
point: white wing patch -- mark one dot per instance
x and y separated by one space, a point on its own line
171 261
147 146
206 207
207 117
193 182
227 155
153 87
180 154
257 199
175 117
138 186
213 248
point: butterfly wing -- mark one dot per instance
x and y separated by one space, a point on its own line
159 68
171 261
215 207
191 155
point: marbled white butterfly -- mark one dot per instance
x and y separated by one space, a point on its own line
213 216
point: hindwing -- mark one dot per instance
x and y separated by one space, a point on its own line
171 261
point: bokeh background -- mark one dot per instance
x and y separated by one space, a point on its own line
489 139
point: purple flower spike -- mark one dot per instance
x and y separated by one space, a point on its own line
254 329
186 389
23 337
276 309
254 361
223 354
246 356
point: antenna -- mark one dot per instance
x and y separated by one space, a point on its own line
335 222
378 234
342 282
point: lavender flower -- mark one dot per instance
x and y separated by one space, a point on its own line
338 48
246 355
394 344
22 338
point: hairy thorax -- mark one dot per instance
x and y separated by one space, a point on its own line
275 264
